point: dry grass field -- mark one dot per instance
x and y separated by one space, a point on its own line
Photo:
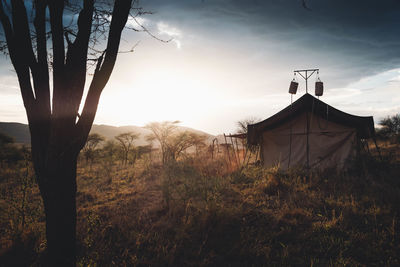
199 212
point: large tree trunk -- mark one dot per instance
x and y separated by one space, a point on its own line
58 132
58 189
60 208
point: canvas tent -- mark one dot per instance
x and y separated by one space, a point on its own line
309 133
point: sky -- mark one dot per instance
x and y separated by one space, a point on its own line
230 60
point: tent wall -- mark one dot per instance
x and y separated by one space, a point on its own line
329 144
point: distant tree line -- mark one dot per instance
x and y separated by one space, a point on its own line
172 144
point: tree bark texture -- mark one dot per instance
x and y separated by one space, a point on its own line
58 133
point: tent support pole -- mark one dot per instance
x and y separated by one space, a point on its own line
377 148
308 145
227 150
234 151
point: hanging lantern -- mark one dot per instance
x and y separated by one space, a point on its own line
293 87
319 88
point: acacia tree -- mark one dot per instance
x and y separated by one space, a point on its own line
150 139
162 132
58 132
89 149
173 143
180 142
109 150
390 128
242 130
126 141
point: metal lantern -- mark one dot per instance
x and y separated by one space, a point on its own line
319 88
293 87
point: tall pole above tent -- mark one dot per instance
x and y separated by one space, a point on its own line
306 75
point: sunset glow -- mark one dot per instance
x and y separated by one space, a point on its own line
218 68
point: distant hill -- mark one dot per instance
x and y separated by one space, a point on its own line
20 131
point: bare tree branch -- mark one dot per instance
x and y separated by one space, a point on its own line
103 70
41 82
20 48
77 55
56 8
149 33
5 22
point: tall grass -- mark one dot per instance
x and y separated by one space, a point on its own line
197 212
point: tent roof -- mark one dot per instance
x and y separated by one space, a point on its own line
364 125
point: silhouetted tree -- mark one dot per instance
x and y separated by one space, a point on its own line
89 149
162 132
109 150
242 125
173 143
150 139
58 132
126 141
390 128
242 129
199 142
180 142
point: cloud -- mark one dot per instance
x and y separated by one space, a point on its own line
376 95
138 22
174 33
350 39
164 28
248 49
